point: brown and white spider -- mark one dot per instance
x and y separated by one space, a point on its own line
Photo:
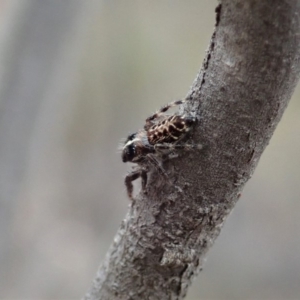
159 138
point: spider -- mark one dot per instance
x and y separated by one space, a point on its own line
149 146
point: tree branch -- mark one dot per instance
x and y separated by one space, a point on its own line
248 76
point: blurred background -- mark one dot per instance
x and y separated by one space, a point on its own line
76 77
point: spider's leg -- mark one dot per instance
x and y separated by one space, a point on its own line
149 120
155 163
170 147
144 180
168 150
129 179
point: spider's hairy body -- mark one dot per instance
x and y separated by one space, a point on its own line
149 146
170 130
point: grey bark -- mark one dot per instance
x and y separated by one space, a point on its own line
249 74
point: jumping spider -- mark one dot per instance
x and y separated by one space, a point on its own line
159 138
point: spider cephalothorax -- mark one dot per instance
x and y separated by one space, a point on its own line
136 147
161 136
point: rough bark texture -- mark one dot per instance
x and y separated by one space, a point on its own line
250 71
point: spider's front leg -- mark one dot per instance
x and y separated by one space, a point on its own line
132 177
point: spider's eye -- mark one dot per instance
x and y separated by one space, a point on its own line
131 137
128 152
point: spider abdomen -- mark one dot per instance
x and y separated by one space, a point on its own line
170 130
